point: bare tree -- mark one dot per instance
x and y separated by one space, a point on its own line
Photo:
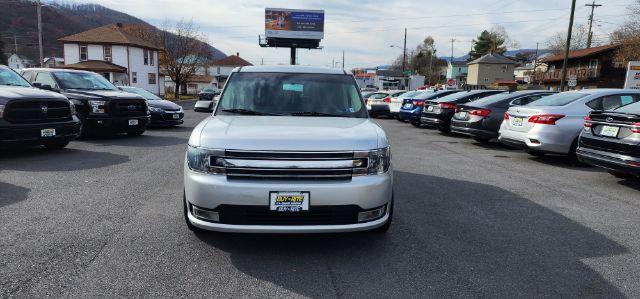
185 52
628 37
579 38
501 33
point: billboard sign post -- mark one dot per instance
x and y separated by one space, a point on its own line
632 80
293 28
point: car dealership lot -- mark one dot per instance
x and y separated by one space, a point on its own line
104 217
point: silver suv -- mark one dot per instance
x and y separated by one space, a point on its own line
288 149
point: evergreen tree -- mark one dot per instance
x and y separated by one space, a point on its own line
487 42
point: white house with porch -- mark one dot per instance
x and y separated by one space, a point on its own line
119 56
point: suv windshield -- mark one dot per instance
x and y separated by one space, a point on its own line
81 80
10 78
558 99
292 94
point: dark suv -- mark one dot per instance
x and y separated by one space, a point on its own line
99 104
29 116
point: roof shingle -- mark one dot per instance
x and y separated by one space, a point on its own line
492 58
108 34
231 60
580 53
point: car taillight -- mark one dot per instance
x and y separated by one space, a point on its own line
506 116
447 106
387 100
636 128
587 122
545 119
480 112
418 103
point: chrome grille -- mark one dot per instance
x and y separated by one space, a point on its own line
291 165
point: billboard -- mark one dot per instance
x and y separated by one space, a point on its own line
294 23
633 76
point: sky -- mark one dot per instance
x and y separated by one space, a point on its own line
366 29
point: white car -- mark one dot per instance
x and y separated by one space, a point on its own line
288 149
379 104
553 124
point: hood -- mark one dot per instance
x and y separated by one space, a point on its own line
288 133
100 94
19 92
164 104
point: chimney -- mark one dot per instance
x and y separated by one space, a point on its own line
119 25
238 54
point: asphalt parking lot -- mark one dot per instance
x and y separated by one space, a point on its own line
104 218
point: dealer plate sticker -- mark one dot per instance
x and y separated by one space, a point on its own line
133 122
610 131
289 201
47 132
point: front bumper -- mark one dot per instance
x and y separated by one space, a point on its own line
116 124
166 119
608 160
541 138
30 134
411 115
212 191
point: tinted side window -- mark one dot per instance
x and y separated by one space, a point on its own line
612 102
28 75
45 79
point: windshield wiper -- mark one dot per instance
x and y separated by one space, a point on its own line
247 112
314 113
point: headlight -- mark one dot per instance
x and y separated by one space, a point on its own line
97 107
199 159
72 108
1 110
154 109
180 111
379 161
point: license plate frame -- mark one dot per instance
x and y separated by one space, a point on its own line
517 121
133 122
430 108
176 116
610 131
284 201
463 114
47 133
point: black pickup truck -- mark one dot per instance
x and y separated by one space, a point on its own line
32 117
99 104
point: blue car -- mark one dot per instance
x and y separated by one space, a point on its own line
411 109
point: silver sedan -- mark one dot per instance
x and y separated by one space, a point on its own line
553 124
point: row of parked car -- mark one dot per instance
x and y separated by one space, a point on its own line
52 107
599 127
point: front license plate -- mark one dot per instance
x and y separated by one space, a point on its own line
289 201
48 132
610 131
133 122
463 114
517 121
408 105
176 116
430 108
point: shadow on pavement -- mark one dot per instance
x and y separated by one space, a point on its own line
449 238
180 128
563 162
10 194
137 141
496 146
39 159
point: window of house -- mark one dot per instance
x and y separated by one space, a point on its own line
552 67
151 58
192 86
134 77
152 78
84 53
146 56
593 63
107 52
486 79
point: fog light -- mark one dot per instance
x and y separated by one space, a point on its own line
372 214
206 215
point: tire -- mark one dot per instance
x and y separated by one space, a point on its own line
84 133
385 227
56 145
444 129
481 139
572 156
416 124
400 119
135 132
622 175
190 226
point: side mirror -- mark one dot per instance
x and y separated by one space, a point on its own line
46 87
36 85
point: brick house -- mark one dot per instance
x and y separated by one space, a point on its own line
592 68
121 57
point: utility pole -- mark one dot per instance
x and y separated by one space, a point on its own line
567 46
15 44
590 35
404 53
535 65
342 59
39 11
